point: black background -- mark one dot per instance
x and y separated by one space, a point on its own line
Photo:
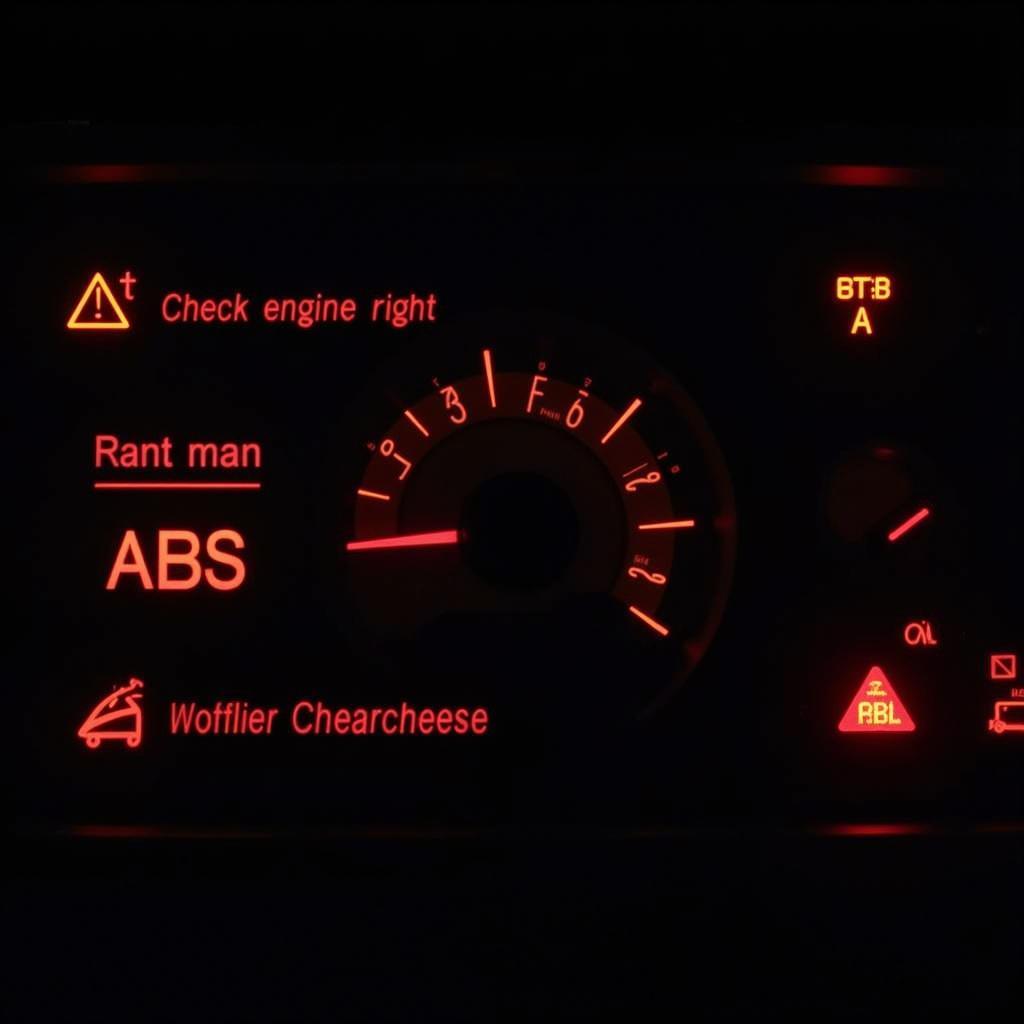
642 171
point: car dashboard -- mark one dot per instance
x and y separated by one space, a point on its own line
595 514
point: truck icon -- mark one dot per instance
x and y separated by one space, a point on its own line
116 717
1007 716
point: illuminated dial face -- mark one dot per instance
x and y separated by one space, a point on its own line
544 528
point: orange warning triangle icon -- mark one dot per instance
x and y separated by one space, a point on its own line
98 310
876 707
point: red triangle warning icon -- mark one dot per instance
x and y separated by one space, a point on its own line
98 310
876 707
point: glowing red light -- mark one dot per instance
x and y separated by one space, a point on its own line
916 518
98 310
647 620
1002 667
876 707
116 717
171 485
672 524
632 408
408 540
489 371
875 830
416 423
106 174
1007 716
863 175
919 634
180 548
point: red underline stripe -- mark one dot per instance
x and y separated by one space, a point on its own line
139 485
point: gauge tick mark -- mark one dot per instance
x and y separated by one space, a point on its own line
647 620
489 371
633 406
675 524
416 423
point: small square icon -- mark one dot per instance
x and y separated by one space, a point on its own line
1002 667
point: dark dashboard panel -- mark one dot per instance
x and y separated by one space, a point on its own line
525 500
290 500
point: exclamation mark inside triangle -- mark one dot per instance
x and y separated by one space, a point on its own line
98 310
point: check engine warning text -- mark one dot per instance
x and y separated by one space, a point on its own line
396 311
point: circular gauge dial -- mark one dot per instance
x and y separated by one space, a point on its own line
566 538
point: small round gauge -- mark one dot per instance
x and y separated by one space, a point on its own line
554 525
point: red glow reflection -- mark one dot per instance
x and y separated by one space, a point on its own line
876 829
866 175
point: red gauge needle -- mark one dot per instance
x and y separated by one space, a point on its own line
406 540
909 524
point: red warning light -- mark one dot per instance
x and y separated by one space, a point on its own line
1002 667
876 707
1007 716
919 634
98 310
116 717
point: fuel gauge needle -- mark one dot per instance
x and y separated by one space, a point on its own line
923 513
406 540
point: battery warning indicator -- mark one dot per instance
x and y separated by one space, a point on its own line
1007 716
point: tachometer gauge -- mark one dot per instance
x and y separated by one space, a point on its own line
526 499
